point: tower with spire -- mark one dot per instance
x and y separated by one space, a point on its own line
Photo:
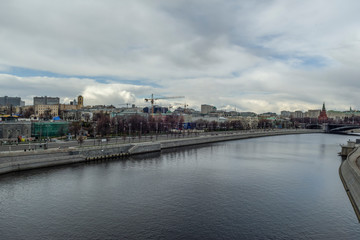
323 117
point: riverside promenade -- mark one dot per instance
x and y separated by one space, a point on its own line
11 161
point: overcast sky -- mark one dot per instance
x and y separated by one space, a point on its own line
258 55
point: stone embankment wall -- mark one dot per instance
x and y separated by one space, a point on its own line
226 137
17 161
350 176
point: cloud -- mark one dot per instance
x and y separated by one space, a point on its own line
67 89
257 55
115 94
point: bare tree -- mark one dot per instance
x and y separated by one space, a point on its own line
28 112
103 124
75 128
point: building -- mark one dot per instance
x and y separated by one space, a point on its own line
129 112
7 101
46 100
206 109
313 113
74 105
46 111
323 117
267 114
298 114
248 114
67 107
80 102
286 114
13 130
156 109
49 129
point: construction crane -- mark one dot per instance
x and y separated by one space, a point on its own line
152 100
185 105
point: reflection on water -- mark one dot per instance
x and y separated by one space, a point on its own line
283 187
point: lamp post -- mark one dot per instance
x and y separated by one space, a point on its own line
140 131
129 132
40 130
116 126
157 125
124 132
94 133
47 136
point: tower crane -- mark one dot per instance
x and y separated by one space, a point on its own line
184 105
152 100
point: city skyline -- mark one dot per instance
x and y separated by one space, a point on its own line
47 101
253 56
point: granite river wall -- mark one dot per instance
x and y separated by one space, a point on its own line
350 175
19 160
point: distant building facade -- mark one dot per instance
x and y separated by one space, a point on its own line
67 107
7 101
74 105
156 109
43 110
298 114
206 109
13 130
80 101
46 100
313 113
285 114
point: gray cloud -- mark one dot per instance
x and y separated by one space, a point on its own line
256 55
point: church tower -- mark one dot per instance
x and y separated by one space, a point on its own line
323 117
80 102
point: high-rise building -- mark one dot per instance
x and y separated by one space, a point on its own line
46 100
7 101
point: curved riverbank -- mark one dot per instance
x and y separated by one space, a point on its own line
19 160
350 176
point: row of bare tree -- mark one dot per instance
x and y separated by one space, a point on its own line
103 125
135 124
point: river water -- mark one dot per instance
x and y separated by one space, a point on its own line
282 187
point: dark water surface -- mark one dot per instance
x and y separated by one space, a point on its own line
283 187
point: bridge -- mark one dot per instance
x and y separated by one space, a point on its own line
333 128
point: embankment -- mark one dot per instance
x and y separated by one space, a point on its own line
350 176
18 161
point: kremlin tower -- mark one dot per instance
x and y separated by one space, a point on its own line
323 117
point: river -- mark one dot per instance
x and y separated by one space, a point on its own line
281 187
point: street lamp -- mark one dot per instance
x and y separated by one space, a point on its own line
157 125
129 132
124 132
116 126
94 133
140 131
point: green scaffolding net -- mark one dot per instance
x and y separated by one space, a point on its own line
49 129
